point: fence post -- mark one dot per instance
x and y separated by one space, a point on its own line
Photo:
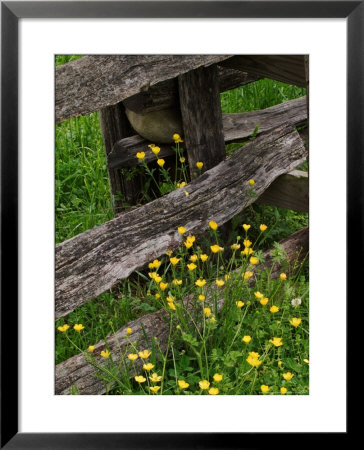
114 126
202 119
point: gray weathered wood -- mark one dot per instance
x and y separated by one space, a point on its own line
236 128
114 126
241 125
77 372
288 191
201 118
286 68
164 95
94 82
92 262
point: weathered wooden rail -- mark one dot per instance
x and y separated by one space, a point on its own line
125 90
92 262
237 127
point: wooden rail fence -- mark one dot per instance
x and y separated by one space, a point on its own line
128 90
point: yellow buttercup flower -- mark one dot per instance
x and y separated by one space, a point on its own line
217 377
172 306
213 391
155 378
155 150
163 286
204 257
182 160
283 390
240 304
170 299
199 165
207 312
158 279
182 384
177 282
253 359
140 379
258 294
128 331
160 162
212 319
295 321
156 263
191 266
193 258
280 363
274 309
200 283
264 388
246 339
247 251
105 353
204 384
63 328
246 227
235 247
216 248
283 276
148 366
182 184
174 260
189 241
253 260
182 230
264 301
154 389
213 225
152 275
276 341
306 361
91 348
201 298
251 182
263 227
78 327
247 275
220 283
288 376
145 354
177 138
227 276
140 155
132 356
157 295
247 243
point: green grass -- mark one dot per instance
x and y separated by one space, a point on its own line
83 201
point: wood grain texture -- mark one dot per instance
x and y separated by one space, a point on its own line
237 127
77 372
201 118
164 95
286 68
94 82
115 126
288 191
92 262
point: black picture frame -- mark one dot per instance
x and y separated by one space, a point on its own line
11 12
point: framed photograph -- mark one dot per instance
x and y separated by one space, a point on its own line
147 72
